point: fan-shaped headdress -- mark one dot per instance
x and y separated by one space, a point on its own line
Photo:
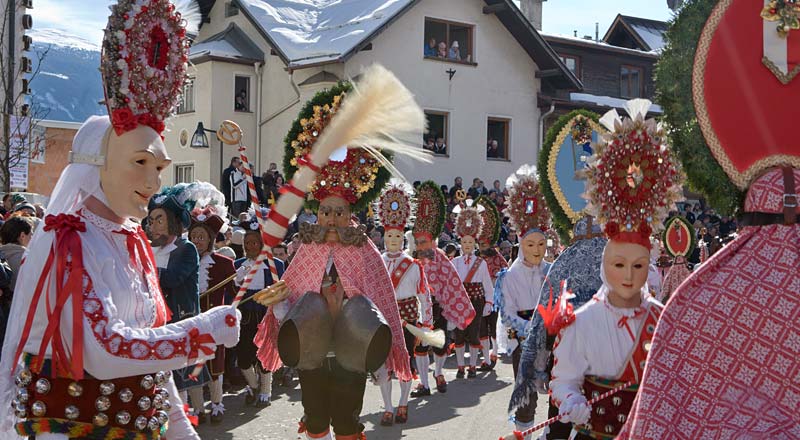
431 210
633 179
395 208
210 210
526 206
144 61
491 221
469 221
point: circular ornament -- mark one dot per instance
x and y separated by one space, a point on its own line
229 133
678 237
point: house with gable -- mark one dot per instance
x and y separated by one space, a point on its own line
257 62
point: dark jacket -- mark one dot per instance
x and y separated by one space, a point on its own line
226 184
179 280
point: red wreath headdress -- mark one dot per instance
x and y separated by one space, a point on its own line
633 179
469 221
526 205
144 61
395 206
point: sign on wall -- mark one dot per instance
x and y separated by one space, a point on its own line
17 148
37 144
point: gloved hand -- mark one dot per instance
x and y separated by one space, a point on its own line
224 325
487 309
241 273
575 410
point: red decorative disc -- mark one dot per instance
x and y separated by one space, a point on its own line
678 237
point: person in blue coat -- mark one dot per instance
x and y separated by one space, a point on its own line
258 380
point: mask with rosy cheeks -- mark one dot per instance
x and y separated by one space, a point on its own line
625 267
132 173
533 246
393 240
334 212
468 244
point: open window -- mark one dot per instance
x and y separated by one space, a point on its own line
436 140
630 81
241 90
449 41
497 142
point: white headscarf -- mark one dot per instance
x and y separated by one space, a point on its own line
79 180
605 288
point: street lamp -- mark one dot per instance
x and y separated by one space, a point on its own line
200 140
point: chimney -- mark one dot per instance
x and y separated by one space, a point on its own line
532 10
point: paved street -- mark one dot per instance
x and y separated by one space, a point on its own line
471 408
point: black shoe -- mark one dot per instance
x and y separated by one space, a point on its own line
471 374
421 391
263 403
201 418
485 367
460 373
249 397
217 419
441 384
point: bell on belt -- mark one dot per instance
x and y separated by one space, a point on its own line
304 338
361 337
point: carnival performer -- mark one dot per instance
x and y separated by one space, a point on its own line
342 320
518 290
259 380
93 329
209 218
451 305
720 362
495 262
474 274
604 344
410 287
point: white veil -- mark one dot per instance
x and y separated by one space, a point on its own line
79 180
603 292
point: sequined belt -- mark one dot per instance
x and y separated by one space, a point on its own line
474 290
608 415
92 407
526 315
409 309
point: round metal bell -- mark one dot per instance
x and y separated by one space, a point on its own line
163 417
595 394
153 424
102 403
39 408
23 378
146 383
158 401
167 374
167 405
126 395
608 429
23 395
163 392
100 419
621 418
161 379
140 423
123 418
600 410
21 411
144 403
71 412
616 400
107 388
75 389
42 386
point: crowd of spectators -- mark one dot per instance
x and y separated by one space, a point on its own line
434 49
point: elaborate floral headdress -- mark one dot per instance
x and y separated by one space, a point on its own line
395 208
431 210
491 221
144 60
210 210
633 179
469 221
526 208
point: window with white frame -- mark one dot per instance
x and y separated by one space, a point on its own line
498 138
187 97
241 92
184 173
436 139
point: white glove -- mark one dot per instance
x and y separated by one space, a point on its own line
487 309
224 322
241 273
575 410
451 326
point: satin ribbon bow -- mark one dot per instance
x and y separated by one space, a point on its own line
139 250
200 342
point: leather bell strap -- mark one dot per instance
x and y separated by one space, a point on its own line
790 213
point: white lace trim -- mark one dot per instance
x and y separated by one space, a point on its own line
107 225
204 275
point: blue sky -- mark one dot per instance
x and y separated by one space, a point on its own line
87 18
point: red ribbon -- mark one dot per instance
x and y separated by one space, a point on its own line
139 251
306 161
197 343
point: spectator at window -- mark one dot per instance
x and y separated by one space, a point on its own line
454 53
430 48
440 147
493 150
242 104
442 50
430 144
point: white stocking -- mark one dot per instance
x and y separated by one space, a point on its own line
438 364
216 390
196 398
385 383
473 355
265 392
494 346
486 351
423 364
460 356
251 378
405 390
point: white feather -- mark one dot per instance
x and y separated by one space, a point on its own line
637 108
190 12
609 119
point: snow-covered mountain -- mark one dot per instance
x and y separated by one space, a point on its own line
68 85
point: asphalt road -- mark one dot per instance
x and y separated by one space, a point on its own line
471 408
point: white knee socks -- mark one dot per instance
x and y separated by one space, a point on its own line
473 355
460 356
216 389
405 390
423 364
438 364
196 398
486 352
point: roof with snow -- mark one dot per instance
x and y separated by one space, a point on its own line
599 45
232 45
308 33
597 101
636 33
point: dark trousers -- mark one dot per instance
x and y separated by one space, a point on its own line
238 208
246 349
332 396
490 323
476 329
439 322
524 414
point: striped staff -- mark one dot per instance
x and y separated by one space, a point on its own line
519 435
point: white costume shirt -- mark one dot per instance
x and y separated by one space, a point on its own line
202 277
161 254
410 284
464 263
258 282
598 343
521 288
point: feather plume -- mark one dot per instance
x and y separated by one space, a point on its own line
379 114
190 11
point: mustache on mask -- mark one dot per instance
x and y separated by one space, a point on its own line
428 254
348 235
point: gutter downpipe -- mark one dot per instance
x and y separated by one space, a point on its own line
541 129
259 77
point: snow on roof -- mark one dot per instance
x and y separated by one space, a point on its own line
231 43
607 101
599 44
652 36
316 31
61 38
